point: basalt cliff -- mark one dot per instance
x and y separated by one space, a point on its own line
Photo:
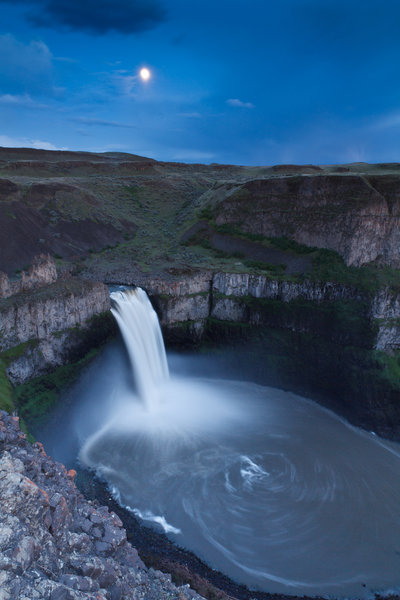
43 321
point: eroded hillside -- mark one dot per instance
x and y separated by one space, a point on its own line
94 212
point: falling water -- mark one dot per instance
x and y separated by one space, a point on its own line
266 486
140 328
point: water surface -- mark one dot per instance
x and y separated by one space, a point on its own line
266 486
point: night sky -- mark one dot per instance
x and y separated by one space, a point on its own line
232 81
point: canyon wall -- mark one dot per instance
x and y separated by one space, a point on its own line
46 320
357 216
191 301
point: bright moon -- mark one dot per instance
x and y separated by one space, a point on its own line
145 74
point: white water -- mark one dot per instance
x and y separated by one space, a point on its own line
264 485
140 328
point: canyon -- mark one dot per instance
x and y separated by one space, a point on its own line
296 264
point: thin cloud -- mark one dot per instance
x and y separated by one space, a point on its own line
125 83
387 121
94 17
21 100
239 104
10 142
101 122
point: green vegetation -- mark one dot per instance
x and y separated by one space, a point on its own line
6 392
326 265
7 397
231 229
6 389
36 398
284 243
390 365
277 270
16 352
329 266
344 322
206 213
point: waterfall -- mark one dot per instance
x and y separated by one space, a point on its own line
142 335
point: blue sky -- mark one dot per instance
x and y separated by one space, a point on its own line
233 81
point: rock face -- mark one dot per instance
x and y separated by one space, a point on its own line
55 545
43 326
357 216
5 288
67 305
260 286
189 302
186 300
42 272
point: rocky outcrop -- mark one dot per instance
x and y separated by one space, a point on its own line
55 545
385 309
5 288
42 272
184 300
356 217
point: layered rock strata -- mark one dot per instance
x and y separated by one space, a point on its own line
190 301
54 544
44 325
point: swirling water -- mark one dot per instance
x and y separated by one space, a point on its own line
266 486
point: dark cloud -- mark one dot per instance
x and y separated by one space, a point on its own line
95 16
354 27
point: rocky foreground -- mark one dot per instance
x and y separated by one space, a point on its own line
56 545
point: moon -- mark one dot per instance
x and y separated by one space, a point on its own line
145 74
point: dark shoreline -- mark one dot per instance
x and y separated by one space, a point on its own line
159 552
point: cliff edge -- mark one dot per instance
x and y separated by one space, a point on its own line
54 544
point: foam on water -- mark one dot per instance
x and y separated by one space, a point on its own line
145 515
